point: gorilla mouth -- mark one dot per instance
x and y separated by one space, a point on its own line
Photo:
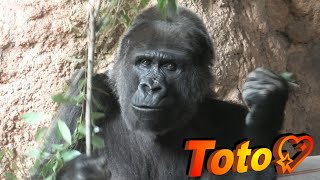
147 108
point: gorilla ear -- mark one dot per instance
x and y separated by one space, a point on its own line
112 80
112 73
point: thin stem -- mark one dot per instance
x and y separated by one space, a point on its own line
90 63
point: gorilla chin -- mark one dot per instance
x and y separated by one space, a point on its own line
155 120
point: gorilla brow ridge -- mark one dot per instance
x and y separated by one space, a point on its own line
197 42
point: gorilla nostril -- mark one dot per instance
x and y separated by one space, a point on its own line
146 88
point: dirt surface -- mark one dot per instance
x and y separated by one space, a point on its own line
38 47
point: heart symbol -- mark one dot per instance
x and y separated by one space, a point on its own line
303 144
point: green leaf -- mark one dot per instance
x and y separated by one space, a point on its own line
103 23
40 134
61 98
80 98
81 84
44 155
82 129
57 134
162 7
57 147
98 142
143 3
33 117
97 115
172 5
34 169
161 3
287 76
58 156
114 3
49 177
126 19
47 168
9 176
33 153
57 165
64 131
69 155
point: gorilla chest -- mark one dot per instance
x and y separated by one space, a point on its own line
136 157
148 163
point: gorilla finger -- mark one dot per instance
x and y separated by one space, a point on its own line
278 83
252 93
267 72
258 85
249 93
261 75
264 92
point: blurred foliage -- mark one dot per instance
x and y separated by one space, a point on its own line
114 17
167 7
288 76
59 153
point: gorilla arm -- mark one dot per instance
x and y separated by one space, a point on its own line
265 94
104 101
67 113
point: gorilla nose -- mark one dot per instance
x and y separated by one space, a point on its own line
152 87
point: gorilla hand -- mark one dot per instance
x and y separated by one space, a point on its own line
264 88
265 94
85 168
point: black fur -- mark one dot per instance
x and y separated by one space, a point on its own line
159 94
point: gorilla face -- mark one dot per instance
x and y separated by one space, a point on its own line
156 103
154 81
158 73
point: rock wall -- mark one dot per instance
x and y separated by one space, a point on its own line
36 45
281 35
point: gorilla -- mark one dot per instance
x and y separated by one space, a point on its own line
159 93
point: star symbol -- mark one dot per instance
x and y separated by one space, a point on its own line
285 162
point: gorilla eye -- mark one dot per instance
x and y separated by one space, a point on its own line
170 66
145 62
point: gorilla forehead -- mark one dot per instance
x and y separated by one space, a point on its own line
161 32
184 32
154 36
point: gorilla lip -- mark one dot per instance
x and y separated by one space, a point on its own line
147 108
